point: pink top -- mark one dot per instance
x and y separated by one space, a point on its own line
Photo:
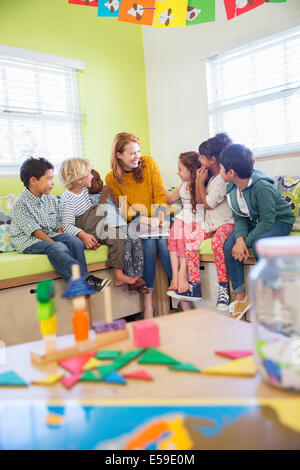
278 246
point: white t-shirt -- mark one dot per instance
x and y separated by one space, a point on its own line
186 214
220 213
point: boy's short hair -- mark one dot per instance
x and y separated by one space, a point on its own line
73 169
34 167
238 158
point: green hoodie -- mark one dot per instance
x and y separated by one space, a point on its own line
265 205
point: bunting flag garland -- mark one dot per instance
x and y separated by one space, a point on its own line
200 11
139 12
89 3
235 8
169 13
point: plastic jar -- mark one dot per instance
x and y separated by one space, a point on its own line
275 297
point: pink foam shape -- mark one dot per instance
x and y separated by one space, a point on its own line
234 354
145 334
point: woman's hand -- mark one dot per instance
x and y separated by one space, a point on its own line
240 250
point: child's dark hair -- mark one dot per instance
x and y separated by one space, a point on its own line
214 146
191 160
36 167
238 158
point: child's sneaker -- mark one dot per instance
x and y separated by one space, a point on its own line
97 283
238 308
193 294
223 299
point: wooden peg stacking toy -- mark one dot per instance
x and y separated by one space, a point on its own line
109 324
46 313
145 334
77 290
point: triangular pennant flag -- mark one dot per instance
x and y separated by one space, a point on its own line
115 378
108 354
76 363
170 13
68 382
139 12
153 356
185 367
109 8
89 3
200 11
244 367
275 1
11 379
92 363
49 380
90 376
235 354
235 8
138 374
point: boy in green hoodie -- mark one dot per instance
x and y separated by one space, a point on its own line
259 211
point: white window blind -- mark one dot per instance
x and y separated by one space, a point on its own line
254 94
40 112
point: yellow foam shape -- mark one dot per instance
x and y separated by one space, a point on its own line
288 411
92 363
48 327
50 380
54 419
244 367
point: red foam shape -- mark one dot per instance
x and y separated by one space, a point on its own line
75 364
68 382
138 374
235 354
145 334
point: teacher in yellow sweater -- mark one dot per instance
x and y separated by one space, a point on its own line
139 180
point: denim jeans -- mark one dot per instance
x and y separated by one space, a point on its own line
151 246
62 254
235 268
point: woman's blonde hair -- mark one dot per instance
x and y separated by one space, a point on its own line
118 146
73 169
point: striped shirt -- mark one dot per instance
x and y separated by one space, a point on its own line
31 213
72 206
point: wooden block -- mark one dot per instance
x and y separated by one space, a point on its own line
80 348
145 334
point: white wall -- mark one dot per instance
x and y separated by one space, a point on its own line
176 81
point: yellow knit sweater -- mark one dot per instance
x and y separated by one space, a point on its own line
140 196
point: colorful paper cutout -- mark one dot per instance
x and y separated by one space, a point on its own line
49 380
89 3
244 367
92 363
153 356
138 374
200 11
76 363
185 368
235 8
170 13
115 378
11 379
69 382
90 376
139 12
234 354
109 8
107 354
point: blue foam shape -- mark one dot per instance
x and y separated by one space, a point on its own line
115 378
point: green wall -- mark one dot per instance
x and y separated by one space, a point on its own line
114 83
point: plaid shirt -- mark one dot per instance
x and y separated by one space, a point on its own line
31 213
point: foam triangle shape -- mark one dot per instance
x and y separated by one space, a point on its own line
49 380
244 367
11 379
92 363
153 356
90 376
185 367
138 374
75 364
108 354
69 382
235 354
115 378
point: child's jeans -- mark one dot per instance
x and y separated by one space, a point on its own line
63 253
235 268
151 247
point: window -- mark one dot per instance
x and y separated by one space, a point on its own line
254 94
39 110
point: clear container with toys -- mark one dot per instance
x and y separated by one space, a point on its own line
275 296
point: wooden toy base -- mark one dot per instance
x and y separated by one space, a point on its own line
80 348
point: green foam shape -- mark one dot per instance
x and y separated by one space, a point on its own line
185 367
89 376
107 354
121 361
259 344
46 310
153 356
12 379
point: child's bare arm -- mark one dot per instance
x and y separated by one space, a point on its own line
105 192
172 197
201 194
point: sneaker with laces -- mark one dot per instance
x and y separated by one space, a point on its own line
238 308
97 283
193 294
223 298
